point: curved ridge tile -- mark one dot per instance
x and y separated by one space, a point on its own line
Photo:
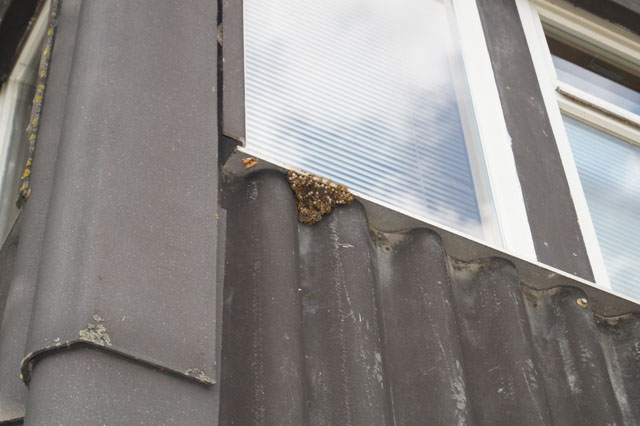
572 364
500 368
620 338
262 361
135 170
96 388
342 341
422 351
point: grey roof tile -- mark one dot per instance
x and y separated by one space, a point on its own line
12 395
119 243
571 359
341 335
621 344
498 355
117 238
265 343
421 329
340 324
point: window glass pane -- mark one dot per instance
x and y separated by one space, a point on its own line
596 85
609 171
363 92
595 74
16 98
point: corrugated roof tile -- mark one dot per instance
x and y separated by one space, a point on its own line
336 323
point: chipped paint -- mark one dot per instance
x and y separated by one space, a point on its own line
316 196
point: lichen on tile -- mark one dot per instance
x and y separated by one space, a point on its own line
316 196
96 332
199 375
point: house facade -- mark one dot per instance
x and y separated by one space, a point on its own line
157 271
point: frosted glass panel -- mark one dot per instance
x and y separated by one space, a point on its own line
362 92
609 171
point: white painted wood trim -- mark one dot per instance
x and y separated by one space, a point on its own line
595 30
496 141
600 121
594 111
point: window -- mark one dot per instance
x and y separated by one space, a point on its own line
609 170
16 97
590 72
376 95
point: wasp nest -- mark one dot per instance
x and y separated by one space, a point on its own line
316 196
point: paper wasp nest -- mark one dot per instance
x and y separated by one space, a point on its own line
316 196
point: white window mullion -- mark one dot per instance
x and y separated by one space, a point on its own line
496 142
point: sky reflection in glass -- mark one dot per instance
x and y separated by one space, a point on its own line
597 85
609 171
361 92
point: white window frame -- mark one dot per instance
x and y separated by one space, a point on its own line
561 98
19 74
494 137
510 231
